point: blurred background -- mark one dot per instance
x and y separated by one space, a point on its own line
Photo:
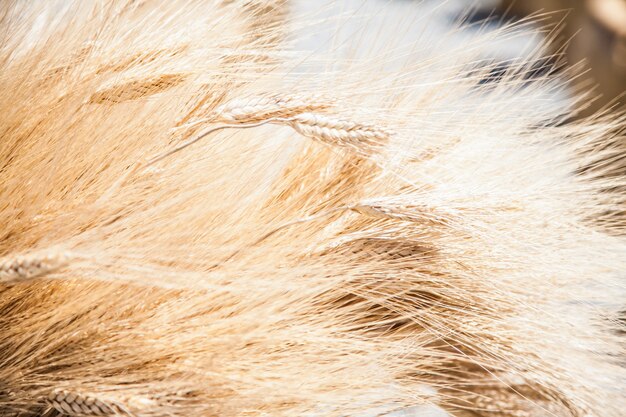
587 38
592 32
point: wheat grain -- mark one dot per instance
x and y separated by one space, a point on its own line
23 267
136 88
81 405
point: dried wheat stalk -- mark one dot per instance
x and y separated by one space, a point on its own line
136 88
23 267
71 403
250 112
260 108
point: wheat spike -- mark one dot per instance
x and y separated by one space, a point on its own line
339 132
136 88
24 267
402 212
377 247
260 108
71 403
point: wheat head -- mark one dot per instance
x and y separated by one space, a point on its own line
76 404
14 269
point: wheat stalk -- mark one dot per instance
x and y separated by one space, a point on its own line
385 212
81 405
407 213
136 88
23 267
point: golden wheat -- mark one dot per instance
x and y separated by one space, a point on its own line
450 254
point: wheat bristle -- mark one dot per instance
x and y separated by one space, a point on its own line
24 267
136 88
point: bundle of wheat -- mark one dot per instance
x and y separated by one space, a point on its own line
198 221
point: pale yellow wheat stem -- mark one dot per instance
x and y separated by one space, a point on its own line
283 227
202 135
368 246
141 58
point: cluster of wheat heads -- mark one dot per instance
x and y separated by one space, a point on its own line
370 237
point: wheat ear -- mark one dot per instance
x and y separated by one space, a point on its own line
136 88
256 109
338 131
259 108
406 213
19 268
81 405
377 210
